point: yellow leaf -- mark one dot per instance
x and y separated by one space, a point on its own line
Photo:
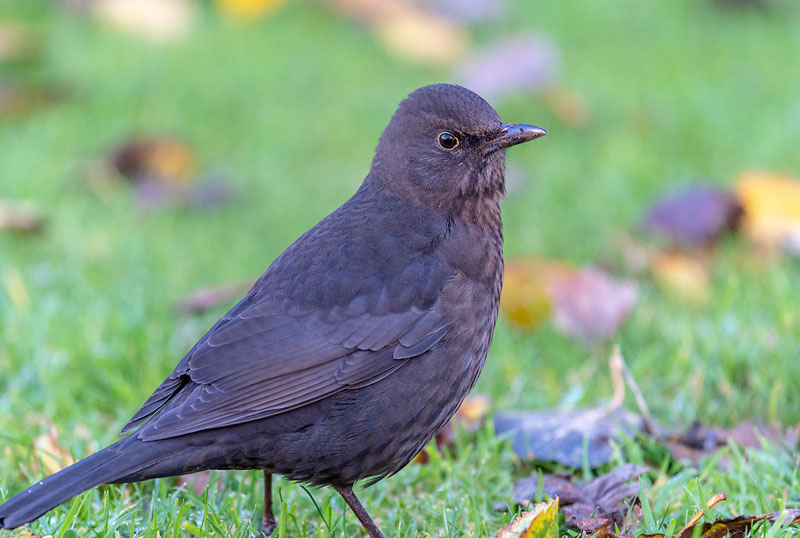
771 204
249 9
526 300
19 532
16 289
541 522
683 275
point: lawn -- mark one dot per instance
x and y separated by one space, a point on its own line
288 108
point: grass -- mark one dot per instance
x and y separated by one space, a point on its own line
290 108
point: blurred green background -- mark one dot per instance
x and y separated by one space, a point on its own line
285 108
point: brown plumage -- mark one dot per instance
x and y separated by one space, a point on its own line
357 344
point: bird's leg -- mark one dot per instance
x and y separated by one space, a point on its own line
268 524
358 509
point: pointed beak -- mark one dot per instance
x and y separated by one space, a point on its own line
512 134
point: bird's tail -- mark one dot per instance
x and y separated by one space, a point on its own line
121 462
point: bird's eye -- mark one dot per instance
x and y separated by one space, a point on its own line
448 140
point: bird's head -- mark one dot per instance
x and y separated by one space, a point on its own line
445 141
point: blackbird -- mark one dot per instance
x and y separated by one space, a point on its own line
356 345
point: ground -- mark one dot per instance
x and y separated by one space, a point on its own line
289 108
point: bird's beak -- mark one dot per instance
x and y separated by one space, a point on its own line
512 134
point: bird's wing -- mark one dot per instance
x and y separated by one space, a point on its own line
260 360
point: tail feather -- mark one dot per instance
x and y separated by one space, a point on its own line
121 460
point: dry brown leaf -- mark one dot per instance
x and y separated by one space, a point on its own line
17 43
20 217
735 527
771 204
684 275
197 482
700 441
249 9
589 305
163 172
155 20
526 301
541 522
408 30
517 65
568 437
52 455
589 504
206 299
166 159
696 215
20 99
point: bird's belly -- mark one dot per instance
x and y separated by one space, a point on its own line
374 430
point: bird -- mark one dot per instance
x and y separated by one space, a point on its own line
356 345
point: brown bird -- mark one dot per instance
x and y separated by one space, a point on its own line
356 345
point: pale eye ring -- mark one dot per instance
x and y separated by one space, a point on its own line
447 141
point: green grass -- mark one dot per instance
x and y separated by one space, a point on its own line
290 109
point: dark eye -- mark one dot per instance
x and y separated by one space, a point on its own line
448 140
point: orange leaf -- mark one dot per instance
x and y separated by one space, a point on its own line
771 204
53 456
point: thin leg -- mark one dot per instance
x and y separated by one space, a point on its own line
358 509
268 524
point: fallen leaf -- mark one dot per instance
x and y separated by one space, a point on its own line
471 415
684 275
472 412
155 20
771 204
552 485
407 30
17 43
20 217
19 532
568 437
422 37
525 301
695 215
163 158
163 172
210 298
589 305
197 482
249 9
16 289
541 522
587 505
52 456
568 106
19 99
738 527
471 11
700 441
521 64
